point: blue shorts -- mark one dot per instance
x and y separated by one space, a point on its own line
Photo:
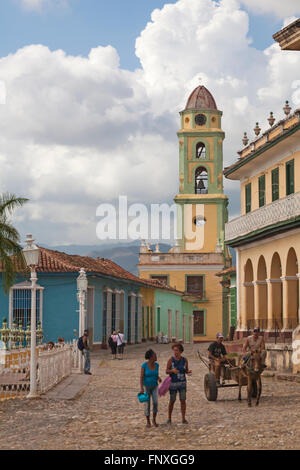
173 393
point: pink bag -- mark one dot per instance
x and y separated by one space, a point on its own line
164 387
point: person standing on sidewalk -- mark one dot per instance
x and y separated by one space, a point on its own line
177 368
149 384
120 344
86 353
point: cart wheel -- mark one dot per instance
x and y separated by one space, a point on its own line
254 389
210 387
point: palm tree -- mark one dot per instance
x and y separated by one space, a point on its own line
11 255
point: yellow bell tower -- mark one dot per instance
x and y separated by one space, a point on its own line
202 205
199 254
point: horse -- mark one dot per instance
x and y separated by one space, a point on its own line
249 374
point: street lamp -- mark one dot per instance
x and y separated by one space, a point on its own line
82 286
31 254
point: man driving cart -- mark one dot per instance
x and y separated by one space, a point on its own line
218 356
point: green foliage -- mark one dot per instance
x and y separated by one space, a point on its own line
11 255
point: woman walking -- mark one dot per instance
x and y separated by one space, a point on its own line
149 384
177 368
112 342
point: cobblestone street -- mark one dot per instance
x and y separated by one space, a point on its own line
107 414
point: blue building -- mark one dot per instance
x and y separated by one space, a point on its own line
113 299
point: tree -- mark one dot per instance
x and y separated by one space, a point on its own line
11 256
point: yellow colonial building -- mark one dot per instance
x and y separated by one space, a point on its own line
191 265
267 235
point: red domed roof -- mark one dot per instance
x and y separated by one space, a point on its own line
201 98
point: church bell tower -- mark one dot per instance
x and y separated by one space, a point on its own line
202 204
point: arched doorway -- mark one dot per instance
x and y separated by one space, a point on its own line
261 295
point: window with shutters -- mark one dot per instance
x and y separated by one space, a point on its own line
195 285
275 184
199 322
262 190
290 184
248 197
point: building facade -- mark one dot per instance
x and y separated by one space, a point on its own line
115 300
190 266
267 235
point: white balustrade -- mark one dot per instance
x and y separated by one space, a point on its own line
77 356
54 366
276 212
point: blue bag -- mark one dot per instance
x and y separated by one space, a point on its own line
143 397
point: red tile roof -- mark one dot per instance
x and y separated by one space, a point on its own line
58 262
227 271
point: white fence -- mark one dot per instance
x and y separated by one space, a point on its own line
52 367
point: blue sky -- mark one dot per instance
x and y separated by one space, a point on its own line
89 23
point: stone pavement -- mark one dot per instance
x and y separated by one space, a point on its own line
107 415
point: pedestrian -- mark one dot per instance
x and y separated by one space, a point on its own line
61 341
112 342
50 345
177 368
120 344
83 346
149 384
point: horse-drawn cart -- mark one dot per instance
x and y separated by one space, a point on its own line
229 378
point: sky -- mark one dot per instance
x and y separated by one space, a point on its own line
91 92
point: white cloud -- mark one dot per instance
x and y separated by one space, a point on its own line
279 8
78 131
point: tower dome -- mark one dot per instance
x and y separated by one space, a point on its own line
201 98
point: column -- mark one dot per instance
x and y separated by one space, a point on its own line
190 329
108 314
132 316
121 326
118 309
177 325
184 328
290 301
170 325
140 323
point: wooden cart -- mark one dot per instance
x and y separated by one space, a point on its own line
228 378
